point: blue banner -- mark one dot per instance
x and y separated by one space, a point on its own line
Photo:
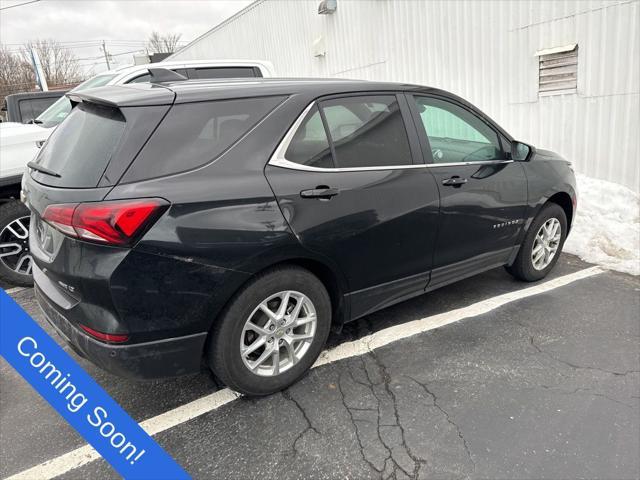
79 399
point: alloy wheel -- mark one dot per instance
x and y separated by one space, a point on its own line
14 246
278 333
546 244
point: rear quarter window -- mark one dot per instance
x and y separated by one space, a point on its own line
193 134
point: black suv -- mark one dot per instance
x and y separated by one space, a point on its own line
236 222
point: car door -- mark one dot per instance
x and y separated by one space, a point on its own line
483 193
350 180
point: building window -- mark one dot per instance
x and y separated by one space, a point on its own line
558 70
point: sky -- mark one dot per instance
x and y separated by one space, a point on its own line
125 25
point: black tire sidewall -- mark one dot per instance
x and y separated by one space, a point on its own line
9 212
224 352
527 270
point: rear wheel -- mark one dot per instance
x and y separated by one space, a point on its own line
542 244
15 258
271 332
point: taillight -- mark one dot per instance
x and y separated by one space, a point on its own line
117 222
61 217
105 337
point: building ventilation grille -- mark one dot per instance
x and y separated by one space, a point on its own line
558 71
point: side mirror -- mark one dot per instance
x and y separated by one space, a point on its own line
520 152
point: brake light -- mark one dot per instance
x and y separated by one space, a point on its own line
61 217
113 223
105 337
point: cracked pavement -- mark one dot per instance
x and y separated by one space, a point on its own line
544 387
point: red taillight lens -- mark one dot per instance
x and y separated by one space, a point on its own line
112 223
105 337
61 217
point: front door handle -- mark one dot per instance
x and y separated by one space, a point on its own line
454 181
321 191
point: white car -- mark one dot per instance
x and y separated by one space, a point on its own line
19 144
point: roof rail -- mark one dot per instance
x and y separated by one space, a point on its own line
159 75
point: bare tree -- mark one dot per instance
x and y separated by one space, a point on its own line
59 64
163 43
16 75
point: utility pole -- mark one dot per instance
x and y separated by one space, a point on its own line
37 66
106 55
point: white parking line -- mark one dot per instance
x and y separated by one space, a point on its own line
86 454
13 290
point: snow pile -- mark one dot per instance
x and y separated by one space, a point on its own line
606 229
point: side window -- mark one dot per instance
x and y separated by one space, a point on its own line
455 134
341 116
224 72
367 131
141 79
309 145
145 77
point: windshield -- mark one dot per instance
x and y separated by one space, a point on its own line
57 112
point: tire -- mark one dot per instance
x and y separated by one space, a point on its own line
231 332
523 267
15 268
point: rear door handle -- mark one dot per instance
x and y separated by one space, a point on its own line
454 181
322 192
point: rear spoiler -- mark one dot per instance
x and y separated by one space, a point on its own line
116 96
75 99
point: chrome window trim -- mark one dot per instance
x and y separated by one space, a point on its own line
284 163
279 160
458 164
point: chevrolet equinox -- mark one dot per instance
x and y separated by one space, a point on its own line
234 223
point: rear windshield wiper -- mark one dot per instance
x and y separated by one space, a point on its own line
36 121
44 170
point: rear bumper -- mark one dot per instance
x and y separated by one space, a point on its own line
149 360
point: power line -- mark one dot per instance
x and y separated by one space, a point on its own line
88 58
97 44
19 4
125 53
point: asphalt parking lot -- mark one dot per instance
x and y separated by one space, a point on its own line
543 386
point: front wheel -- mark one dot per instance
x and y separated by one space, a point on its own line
15 258
542 244
271 332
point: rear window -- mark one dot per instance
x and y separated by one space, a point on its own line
80 148
193 134
32 107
